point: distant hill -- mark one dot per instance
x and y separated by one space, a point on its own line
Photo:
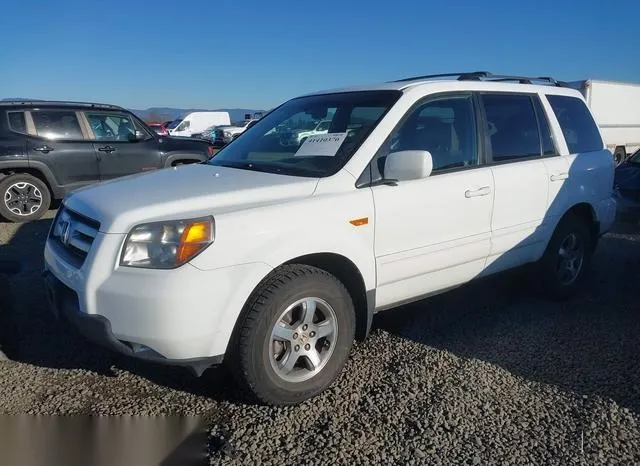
170 113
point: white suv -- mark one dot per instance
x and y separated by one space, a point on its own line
273 257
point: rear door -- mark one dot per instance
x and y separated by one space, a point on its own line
558 201
57 140
117 150
520 177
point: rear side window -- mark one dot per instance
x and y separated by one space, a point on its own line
56 124
578 126
512 126
17 122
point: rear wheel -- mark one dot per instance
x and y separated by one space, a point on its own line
23 198
566 258
296 336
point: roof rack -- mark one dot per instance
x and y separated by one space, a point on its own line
58 102
486 76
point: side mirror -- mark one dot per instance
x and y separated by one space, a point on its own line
138 136
408 165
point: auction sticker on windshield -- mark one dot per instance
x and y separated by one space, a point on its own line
321 144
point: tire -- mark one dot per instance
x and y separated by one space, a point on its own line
572 236
34 192
263 363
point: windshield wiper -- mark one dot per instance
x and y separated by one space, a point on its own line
248 166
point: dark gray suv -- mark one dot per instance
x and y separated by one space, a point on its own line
49 148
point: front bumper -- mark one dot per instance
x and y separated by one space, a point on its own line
183 315
64 304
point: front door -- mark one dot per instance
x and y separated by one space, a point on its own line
118 152
433 233
57 141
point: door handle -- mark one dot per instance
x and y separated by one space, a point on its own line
477 192
44 149
107 149
559 176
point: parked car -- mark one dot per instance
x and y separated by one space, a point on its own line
321 128
159 128
231 131
627 189
272 257
48 149
194 123
616 108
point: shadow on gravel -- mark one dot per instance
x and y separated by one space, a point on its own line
30 333
589 344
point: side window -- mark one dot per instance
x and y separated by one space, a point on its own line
445 127
57 124
184 125
512 126
548 146
17 122
578 126
111 126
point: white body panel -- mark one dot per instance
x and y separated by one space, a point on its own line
422 236
429 235
520 203
200 121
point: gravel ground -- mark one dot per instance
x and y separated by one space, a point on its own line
487 374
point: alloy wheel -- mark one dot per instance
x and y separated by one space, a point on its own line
23 198
303 339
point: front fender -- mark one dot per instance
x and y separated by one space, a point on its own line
277 234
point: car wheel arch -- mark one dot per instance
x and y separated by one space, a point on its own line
344 269
585 212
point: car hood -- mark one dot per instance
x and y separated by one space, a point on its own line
186 191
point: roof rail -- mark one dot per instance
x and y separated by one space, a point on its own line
486 76
58 102
461 76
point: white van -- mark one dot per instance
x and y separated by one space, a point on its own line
195 123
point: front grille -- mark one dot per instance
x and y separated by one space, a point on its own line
73 235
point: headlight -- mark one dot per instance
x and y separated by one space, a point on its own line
167 245
227 134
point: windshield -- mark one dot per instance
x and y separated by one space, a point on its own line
635 158
277 143
174 123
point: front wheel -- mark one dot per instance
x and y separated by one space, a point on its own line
23 198
564 263
295 338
